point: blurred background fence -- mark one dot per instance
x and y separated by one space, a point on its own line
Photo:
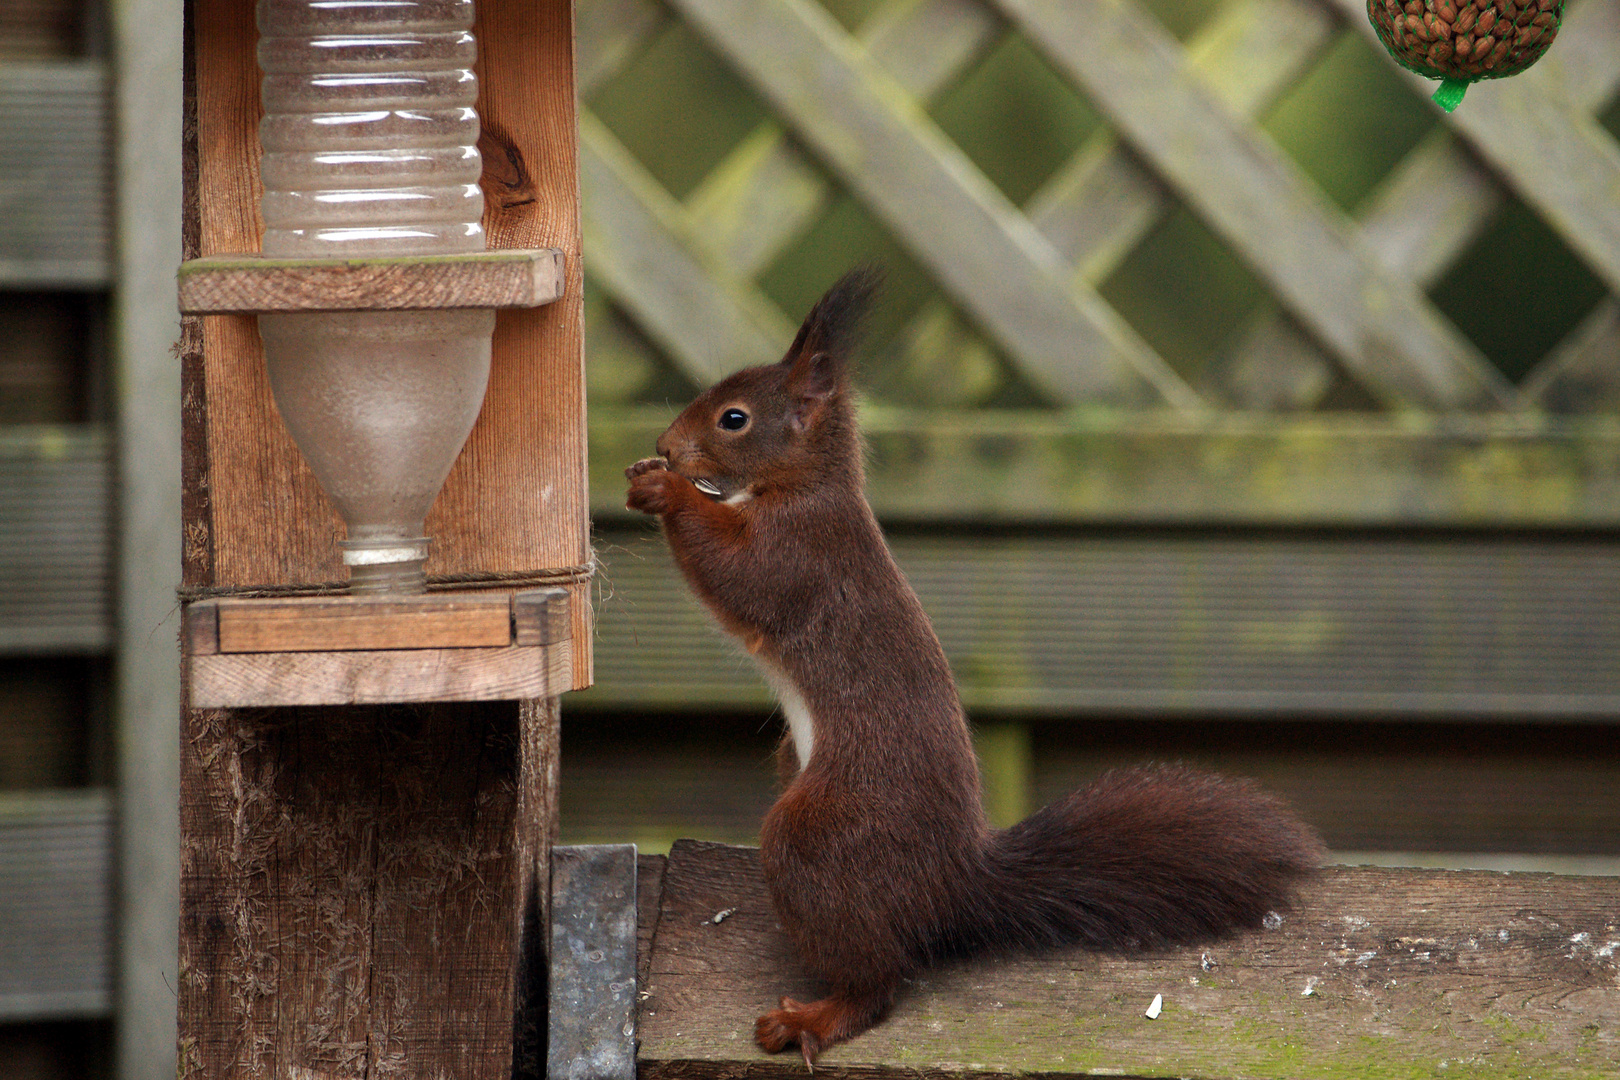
1226 402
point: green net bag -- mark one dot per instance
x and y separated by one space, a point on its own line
1461 41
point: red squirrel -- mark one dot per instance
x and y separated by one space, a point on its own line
877 854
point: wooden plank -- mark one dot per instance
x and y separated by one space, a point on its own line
377 677
1018 467
1073 346
540 617
236 285
338 623
56 549
56 903
56 172
1192 624
530 436
1376 972
363 891
1383 328
1549 149
148 43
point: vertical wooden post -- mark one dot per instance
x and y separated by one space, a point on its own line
364 888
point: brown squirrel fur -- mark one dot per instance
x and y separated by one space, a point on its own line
878 856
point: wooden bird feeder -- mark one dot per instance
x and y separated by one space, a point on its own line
368 781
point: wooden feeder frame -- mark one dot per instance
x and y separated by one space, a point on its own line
368 784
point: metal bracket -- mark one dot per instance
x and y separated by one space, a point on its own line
593 963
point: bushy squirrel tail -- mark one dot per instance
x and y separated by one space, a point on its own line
1156 855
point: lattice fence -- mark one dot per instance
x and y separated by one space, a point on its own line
1443 436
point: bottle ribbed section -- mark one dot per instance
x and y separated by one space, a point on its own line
370 134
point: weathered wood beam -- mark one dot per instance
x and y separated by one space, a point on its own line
1238 468
363 891
56 172
248 284
1192 623
1376 972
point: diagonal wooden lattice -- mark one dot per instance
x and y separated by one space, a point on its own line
1182 127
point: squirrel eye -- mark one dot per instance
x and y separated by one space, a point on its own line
733 420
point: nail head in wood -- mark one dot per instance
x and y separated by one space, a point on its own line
250 284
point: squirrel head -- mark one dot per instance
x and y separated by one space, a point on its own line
784 426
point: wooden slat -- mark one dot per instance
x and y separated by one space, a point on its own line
1192 624
319 624
55 539
709 320
1455 788
1098 208
55 174
1582 375
1382 328
608 34
1243 468
976 243
1375 972
147 41
234 285
766 192
364 677
56 900
530 435
1551 150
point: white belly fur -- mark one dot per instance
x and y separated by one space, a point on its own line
800 722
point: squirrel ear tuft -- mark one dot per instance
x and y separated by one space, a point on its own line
818 359
834 323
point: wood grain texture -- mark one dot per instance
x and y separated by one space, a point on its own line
245 284
359 888
1236 468
327 623
1377 972
378 677
515 501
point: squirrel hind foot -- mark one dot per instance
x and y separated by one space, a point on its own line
818 1025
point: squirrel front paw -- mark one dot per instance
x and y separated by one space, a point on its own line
645 465
653 488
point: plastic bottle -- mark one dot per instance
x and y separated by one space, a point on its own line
370 144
